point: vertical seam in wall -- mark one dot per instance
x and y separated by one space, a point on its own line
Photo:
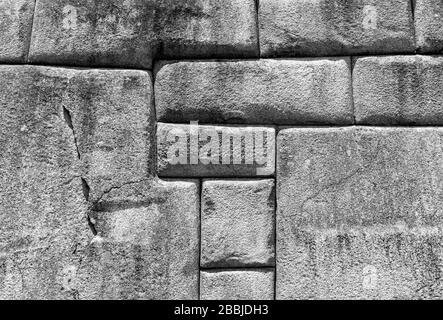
412 4
257 27
275 212
31 32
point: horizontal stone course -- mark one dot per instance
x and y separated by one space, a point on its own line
237 285
399 90
215 151
335 27
237 223
15 29
428 16
296 91
132 33
357 199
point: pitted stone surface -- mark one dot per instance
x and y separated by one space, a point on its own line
215 151
428 17
147 243
43 228
335 27
132 33
15 29
292 91
237 227
399 90
356 198
111 116
237 285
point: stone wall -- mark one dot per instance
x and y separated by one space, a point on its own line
343 101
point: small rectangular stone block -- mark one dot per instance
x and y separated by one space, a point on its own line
354 200
302 91
147 243
237 223
237 285
132 33
335 27
399 90
428 17
15 29
215 151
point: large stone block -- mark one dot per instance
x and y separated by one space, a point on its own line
215 151
428 18
132 33
237 285
237 226
15 29
299 91
356 200
147 243
43 227
399 90
206 28
335 27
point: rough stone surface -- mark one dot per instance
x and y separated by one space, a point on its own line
147 243
206 28
113 119
429 25
399 90
215 151
15 29
335 27
360 213
237 226
237 285
303 91
43 227
131 33
110 115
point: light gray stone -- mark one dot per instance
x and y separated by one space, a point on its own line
206 28
43 229
356 204
215 151
132 33
428 18
237 226
292 91
237 285
399 90
113 118
335 27
15 29
147 243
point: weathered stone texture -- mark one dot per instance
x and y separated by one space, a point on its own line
335 27
237 285
147 243
399 90
237 227
429 25
215 151
15 29
353 201
113 119
131 33
43 227
303 91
